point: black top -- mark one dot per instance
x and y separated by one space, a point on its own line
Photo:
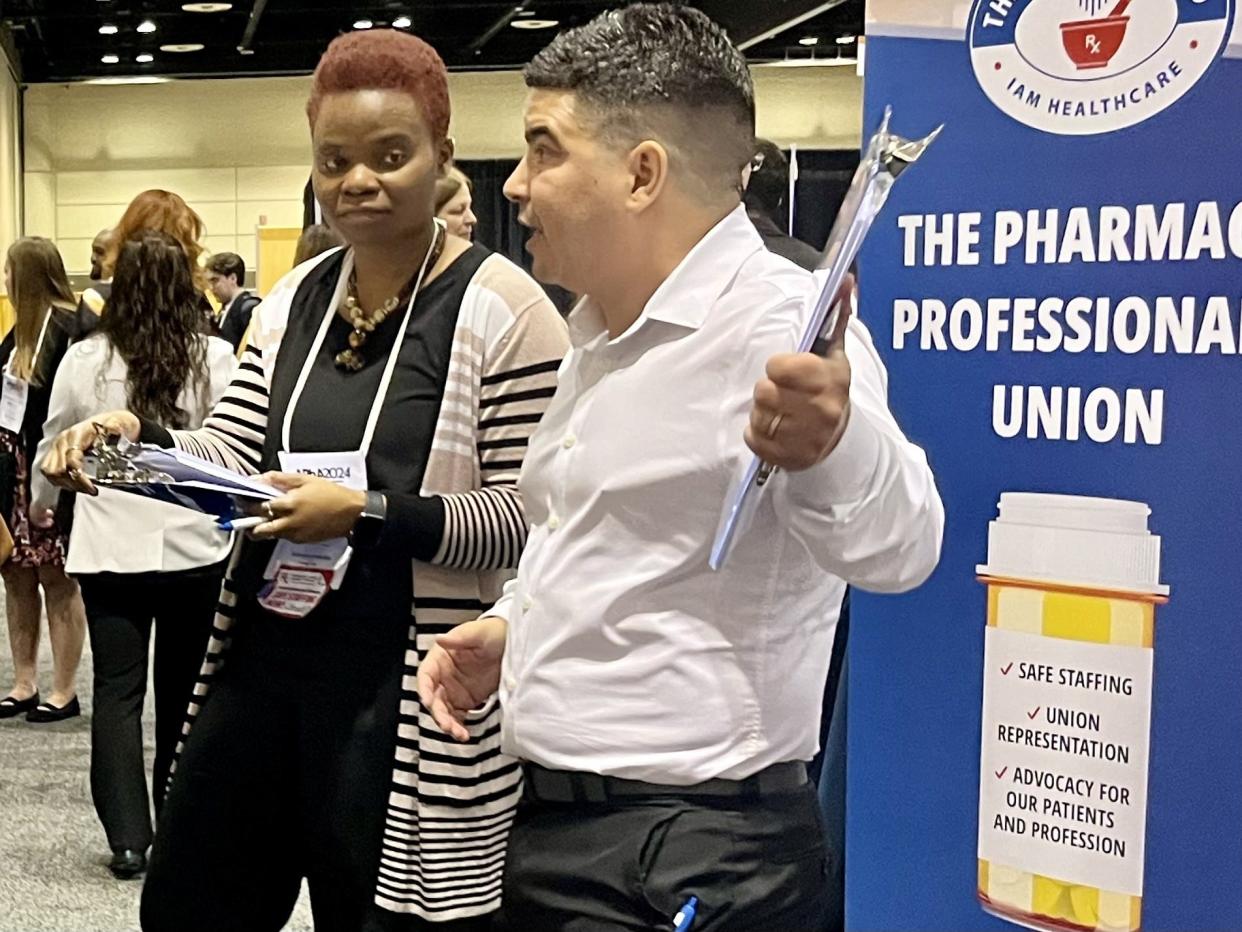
331 416
782 244
235 319
63 329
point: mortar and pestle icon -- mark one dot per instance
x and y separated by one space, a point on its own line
1092 43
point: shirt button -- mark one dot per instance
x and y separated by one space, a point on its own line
510 683
569 441
553 522
527 602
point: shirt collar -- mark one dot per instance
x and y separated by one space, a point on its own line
686 297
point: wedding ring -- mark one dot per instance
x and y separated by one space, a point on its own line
774 426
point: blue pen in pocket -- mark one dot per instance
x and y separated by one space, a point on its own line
685 916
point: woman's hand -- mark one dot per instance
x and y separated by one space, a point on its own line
63 463
310 511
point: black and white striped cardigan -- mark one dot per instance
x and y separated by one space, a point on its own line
450 805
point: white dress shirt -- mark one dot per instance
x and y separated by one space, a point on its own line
120 532
627 655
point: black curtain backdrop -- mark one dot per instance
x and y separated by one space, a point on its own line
824 177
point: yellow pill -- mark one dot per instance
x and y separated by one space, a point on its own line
1085 902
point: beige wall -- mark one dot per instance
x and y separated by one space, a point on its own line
237 150
10 160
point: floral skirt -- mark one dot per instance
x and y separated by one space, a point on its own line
32 546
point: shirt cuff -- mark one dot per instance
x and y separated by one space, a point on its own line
414 525
846 473
154 433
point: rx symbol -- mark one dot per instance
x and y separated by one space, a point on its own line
1093 44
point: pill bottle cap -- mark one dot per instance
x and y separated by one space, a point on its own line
1099 543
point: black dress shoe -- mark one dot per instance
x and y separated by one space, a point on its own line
46 712
11 708
127 864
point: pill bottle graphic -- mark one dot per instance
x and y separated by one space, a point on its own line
1072 588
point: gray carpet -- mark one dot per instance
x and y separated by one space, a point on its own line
53 855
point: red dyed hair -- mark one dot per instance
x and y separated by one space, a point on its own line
384 60
167 213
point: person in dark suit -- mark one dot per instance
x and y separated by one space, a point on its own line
765 198
93 299
226 275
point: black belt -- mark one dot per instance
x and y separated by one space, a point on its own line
570 786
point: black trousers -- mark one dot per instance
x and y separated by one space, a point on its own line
285 777
754 865
121 609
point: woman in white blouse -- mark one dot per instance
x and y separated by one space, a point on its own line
141 561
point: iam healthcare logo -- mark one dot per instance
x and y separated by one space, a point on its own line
1081 67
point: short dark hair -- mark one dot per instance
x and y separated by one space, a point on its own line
662 71
228 263
769 183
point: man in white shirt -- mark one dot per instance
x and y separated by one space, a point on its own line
664 712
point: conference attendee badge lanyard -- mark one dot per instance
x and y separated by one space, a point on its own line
301 575
17 391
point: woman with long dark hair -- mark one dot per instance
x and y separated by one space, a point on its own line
141 562
46 324
394 384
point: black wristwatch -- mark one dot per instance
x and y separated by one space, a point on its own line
370 523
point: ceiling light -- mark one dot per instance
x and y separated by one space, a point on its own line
136 79
402 22
808 63
107 30
110 59
527 13
242 50
363 24
535 23
146 26
206 7
809 40
845 40
183 47
144 59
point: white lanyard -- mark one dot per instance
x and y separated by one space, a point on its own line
34 358
338 295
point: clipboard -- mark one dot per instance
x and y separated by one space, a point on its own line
886 157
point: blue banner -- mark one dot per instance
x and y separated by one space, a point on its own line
1049 732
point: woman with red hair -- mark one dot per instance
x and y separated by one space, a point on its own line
163 212
393 384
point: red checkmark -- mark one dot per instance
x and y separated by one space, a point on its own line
1005 670
1031 715
1000 773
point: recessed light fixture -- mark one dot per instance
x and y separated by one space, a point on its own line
363 24
845 40
402 22
110 59
108 30
146 26
145 58
242 50
136 79
206 7
809 40
535 23
527 13
183 47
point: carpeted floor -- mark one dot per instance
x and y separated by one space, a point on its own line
53 856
